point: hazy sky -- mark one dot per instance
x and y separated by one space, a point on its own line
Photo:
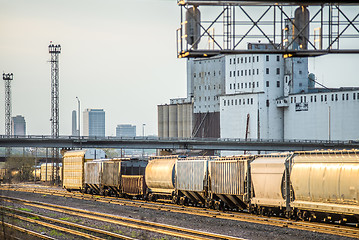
116 55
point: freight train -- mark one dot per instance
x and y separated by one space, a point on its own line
311 185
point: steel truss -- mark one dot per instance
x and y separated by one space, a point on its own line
333 29
8 77
55 51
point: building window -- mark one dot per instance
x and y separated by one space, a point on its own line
291 99
301 99
234 86
234 61
224 102
336 97
252 101
245 85
332 97
295 100
325 97
267 103
241 60
267 83
257 84
237 85
315 98
235 102
300 72
249 72
253 72
234 73
244 102
214 86
245 60
230 61
237 60
199 87
267 70
241 72
240 101
248 101
238 73
311 98
228 102
230 73
232 102
321 98
353 96
257 71
347 96
278 71
253 85
230 86
305 99
267 58
343 97
241 85
245 72
249 59
278 83
257 58
253 58
194 75
249 84
214 73
278 58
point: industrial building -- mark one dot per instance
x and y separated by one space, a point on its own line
125 130
94 122
261 96
18 126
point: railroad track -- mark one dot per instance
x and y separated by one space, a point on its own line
274 221
165 229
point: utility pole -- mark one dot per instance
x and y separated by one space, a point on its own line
55 51
8 77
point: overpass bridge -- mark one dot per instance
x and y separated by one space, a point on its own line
172 143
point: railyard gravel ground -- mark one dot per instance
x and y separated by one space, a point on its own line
220 226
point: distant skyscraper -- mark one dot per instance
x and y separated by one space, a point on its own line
94 122
125 130
74 124
18 125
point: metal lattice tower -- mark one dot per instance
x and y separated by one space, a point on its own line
7 77
54 51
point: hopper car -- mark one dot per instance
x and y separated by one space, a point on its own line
307 185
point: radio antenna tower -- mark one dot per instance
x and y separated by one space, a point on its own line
8 77
54 51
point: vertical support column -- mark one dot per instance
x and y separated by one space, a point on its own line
8 77
54 51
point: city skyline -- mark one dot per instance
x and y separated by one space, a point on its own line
107 60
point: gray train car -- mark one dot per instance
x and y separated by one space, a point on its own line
228 182
268 175
160 177
192 180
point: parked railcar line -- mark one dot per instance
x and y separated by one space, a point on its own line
274 221
127 222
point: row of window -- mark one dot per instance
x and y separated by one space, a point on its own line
249 85
208 87
248 101
206 98
203 74
250 71
324 98
206 106
248 59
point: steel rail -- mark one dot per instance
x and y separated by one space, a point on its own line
75 225
52 226
273 221
128 222
27 231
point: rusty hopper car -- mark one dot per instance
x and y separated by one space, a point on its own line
192 180
326 185
106 176
228 182
134 186
268 181
160 177
73 167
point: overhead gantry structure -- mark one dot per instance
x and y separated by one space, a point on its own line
291 28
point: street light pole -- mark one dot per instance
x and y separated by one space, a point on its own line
143 135
78 120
